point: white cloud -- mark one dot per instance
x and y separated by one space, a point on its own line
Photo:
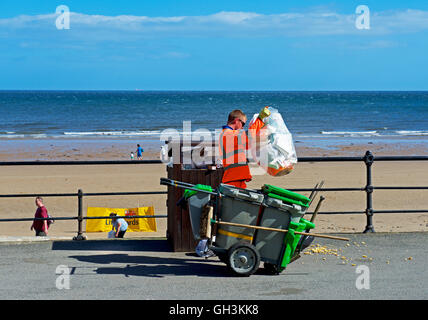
407 21
231 17
224 24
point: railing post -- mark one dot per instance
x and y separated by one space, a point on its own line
368 160
80 235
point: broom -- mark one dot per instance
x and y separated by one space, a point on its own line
205 225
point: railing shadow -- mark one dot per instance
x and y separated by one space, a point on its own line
151 265
154 264
155 267
161 245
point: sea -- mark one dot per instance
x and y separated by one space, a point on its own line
312 117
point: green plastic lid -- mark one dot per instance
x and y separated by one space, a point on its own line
286 195
287 200
188 193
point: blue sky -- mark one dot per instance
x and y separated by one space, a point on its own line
214 45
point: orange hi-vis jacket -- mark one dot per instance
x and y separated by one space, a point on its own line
233 145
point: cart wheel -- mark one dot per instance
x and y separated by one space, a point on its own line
243 259
272 269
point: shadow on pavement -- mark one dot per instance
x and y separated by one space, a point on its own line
160 245
141 265
149 266
158 267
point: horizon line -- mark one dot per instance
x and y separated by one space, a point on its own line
216 90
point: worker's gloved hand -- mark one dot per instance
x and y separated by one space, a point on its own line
264 113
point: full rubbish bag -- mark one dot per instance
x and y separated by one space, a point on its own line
270 143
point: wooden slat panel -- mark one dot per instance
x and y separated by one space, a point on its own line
179 226
186 227
169 207
172 211
206 176
177 211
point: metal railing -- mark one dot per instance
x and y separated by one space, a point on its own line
80 194
368 160
80 216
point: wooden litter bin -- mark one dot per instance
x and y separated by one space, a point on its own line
179 230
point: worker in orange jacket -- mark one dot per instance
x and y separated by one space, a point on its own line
233 144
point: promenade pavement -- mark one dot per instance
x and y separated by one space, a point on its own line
369 266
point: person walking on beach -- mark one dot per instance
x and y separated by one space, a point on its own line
40 226
233 145
119 224
139 152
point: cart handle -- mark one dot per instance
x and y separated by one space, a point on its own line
278 230
179 184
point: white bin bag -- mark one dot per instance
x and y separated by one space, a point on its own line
270 143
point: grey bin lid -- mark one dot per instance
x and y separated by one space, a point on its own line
276 203
242 194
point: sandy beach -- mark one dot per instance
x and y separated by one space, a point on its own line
120 178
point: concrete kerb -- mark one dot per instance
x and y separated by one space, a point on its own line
30 239
25 239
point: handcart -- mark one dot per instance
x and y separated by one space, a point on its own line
245 227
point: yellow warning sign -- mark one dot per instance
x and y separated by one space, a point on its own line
134 225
